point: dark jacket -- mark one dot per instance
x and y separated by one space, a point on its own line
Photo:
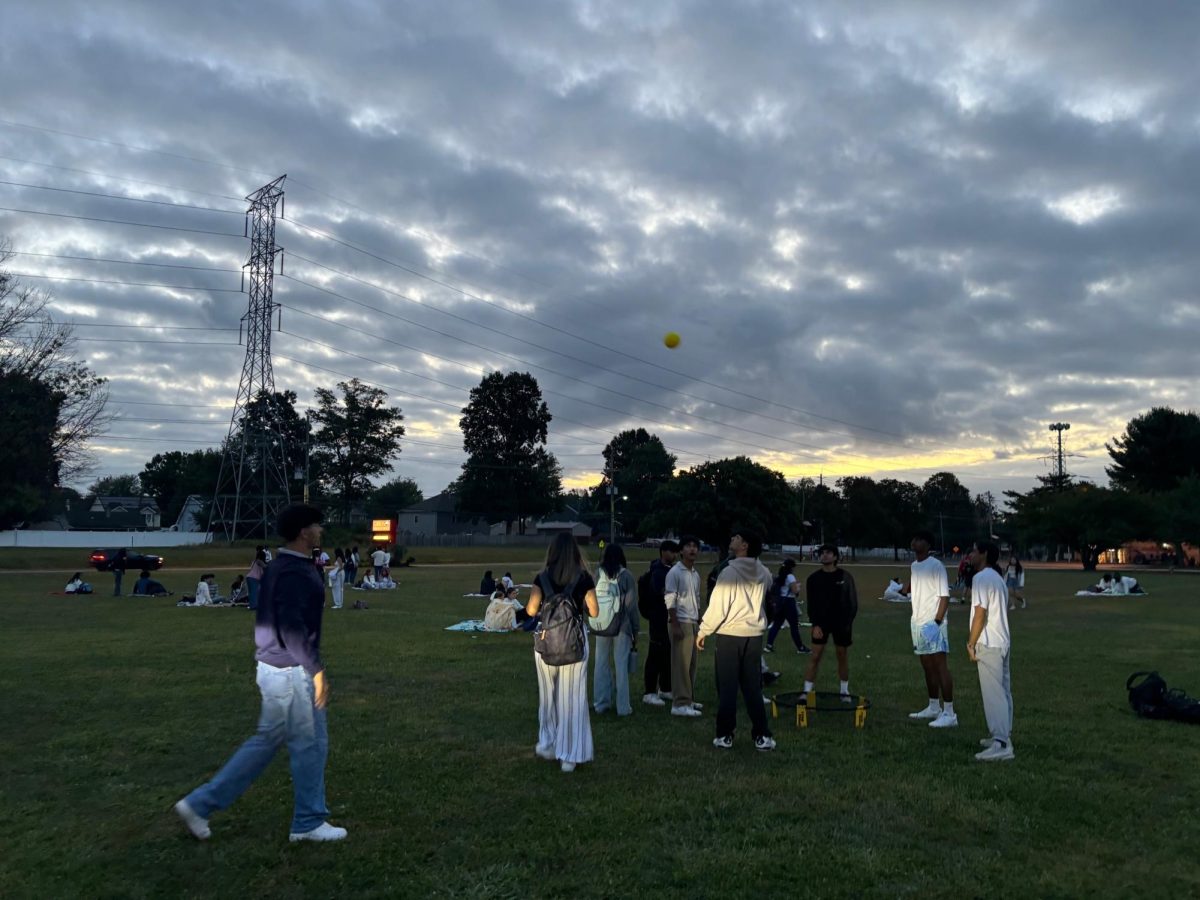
287 626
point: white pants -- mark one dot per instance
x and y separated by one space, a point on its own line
337 588
995 683
563 722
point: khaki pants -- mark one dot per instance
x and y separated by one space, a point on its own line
995 683
683 665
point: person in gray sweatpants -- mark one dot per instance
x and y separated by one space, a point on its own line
989 647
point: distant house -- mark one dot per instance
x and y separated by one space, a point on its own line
189 516
438 515
101 513
581 531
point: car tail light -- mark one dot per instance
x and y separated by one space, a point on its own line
98 557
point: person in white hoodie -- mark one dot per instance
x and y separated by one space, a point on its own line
735 615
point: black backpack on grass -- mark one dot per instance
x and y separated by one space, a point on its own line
1152 699
559 639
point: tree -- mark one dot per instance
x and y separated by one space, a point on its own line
639 464
865 516
1158 450
116 486
359 437
822 506
28 468
171 477
287 431
1085 517
508 474
901 501
36 348
713 498
388 499
947 511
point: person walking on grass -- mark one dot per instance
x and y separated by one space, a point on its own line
1014 580
682 597
337 578
294 688
652 603
735 615
564 729
832 606
988 647
613 653
786 589
930 593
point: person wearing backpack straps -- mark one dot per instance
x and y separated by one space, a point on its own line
613 652
563 594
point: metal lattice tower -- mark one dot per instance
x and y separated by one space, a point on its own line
253 485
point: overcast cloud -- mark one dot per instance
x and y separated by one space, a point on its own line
895 238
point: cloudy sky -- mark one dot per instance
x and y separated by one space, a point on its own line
895 238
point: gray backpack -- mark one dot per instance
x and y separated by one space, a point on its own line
559 638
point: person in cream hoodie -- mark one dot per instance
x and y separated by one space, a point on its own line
735 615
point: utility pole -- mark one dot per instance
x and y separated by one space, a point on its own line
253 484
1060 473
942 531
612 507
307 449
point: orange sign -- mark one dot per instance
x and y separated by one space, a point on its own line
383 531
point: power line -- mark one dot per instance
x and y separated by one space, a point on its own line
174 287
156 327
42 187
123 262
38 212
572 334
94 174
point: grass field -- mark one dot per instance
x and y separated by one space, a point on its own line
115 708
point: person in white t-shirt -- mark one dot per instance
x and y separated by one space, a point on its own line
379 559
988 646
929 589
894 592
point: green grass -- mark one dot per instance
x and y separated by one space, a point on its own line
115 708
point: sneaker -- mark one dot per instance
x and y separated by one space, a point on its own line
195 824
697 705
567 766
666 695
723 743
764 743
768 648
929 712
1023 604
987 741
689 711
601 710
323 832
544 753
653 700
996 753
847 698
945 720
804 651
767 701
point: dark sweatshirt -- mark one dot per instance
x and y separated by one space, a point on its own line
287 629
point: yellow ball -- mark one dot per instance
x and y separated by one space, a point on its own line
671 339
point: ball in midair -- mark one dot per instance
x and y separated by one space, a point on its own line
671 339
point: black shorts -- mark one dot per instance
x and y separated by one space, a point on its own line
842 634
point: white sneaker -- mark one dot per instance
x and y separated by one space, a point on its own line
929 712
196 825
696 705
568 766
847 698
764 743
544 753
723 743
653 700
666 695
689 711
996 753
945 720
987 741
323 832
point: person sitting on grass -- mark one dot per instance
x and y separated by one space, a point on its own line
894 592
505 612
146 586
239 592
385 582
368 582
205 592
1104 585
77 585
488 585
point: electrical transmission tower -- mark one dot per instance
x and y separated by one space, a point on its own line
1060 473
253 485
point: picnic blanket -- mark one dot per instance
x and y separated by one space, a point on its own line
896 598
1110 594
477 625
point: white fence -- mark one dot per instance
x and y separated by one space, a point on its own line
95 539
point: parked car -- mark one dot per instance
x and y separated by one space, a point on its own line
101 560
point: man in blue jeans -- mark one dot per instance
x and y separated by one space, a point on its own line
295 690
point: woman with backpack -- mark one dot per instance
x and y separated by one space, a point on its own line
563 594
616 589
784 590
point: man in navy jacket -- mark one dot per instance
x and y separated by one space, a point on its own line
295 690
